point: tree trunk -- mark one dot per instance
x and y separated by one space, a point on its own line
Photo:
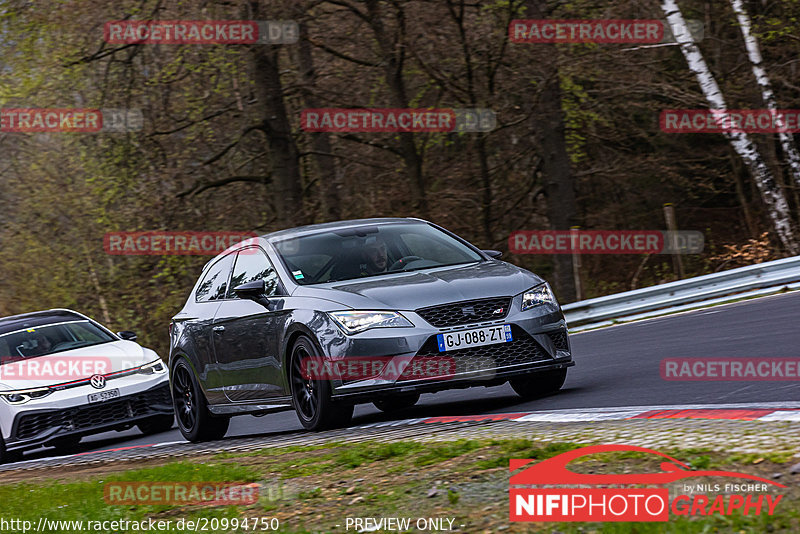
548 128
320 141
282 148
767 95
772 195
393 55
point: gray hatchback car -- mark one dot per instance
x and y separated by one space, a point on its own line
323 317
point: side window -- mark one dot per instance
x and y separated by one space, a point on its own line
215 284
252 265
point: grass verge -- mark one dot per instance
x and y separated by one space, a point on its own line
458 485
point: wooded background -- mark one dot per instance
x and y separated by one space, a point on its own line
577 139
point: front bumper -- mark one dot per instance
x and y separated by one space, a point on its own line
540 343
35 428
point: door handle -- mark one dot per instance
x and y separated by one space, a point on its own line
218 329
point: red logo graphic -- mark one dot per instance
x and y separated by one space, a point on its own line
619 504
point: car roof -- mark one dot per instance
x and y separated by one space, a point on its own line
39 318
338 225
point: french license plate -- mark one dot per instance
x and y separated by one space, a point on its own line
103 396
475 337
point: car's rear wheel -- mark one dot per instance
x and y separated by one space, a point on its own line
156 424
311 397
394 404
191 407
536 385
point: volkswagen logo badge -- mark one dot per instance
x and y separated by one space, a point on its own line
98 381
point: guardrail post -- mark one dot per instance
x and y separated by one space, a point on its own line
576 262
672 226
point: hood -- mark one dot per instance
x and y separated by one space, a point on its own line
71 365
420 289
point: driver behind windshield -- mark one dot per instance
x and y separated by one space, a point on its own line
375 256
43 345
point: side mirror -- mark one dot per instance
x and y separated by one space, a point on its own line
494 254
127 335
251 290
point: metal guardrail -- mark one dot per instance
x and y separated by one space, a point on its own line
693 290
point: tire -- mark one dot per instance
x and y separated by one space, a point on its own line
191 407
539 384
397 403
312 398
156 424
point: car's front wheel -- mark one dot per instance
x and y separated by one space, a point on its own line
536 385
311 396
394 404
156 424
191 407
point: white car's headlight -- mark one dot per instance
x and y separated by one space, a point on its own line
21 396
357 321
537 296
156 366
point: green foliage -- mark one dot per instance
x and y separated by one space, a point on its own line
62 192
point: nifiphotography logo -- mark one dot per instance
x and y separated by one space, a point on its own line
608 497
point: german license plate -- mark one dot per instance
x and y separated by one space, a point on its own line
475 337
103 396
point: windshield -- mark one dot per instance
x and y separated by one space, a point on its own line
369 251
49 339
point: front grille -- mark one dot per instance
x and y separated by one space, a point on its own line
559 338
466 312
523 349
95 415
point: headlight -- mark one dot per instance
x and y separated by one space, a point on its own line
540 294
152 367
21 396
357 321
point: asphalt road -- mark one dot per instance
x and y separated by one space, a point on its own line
617 366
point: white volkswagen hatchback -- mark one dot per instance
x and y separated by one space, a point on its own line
64 376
